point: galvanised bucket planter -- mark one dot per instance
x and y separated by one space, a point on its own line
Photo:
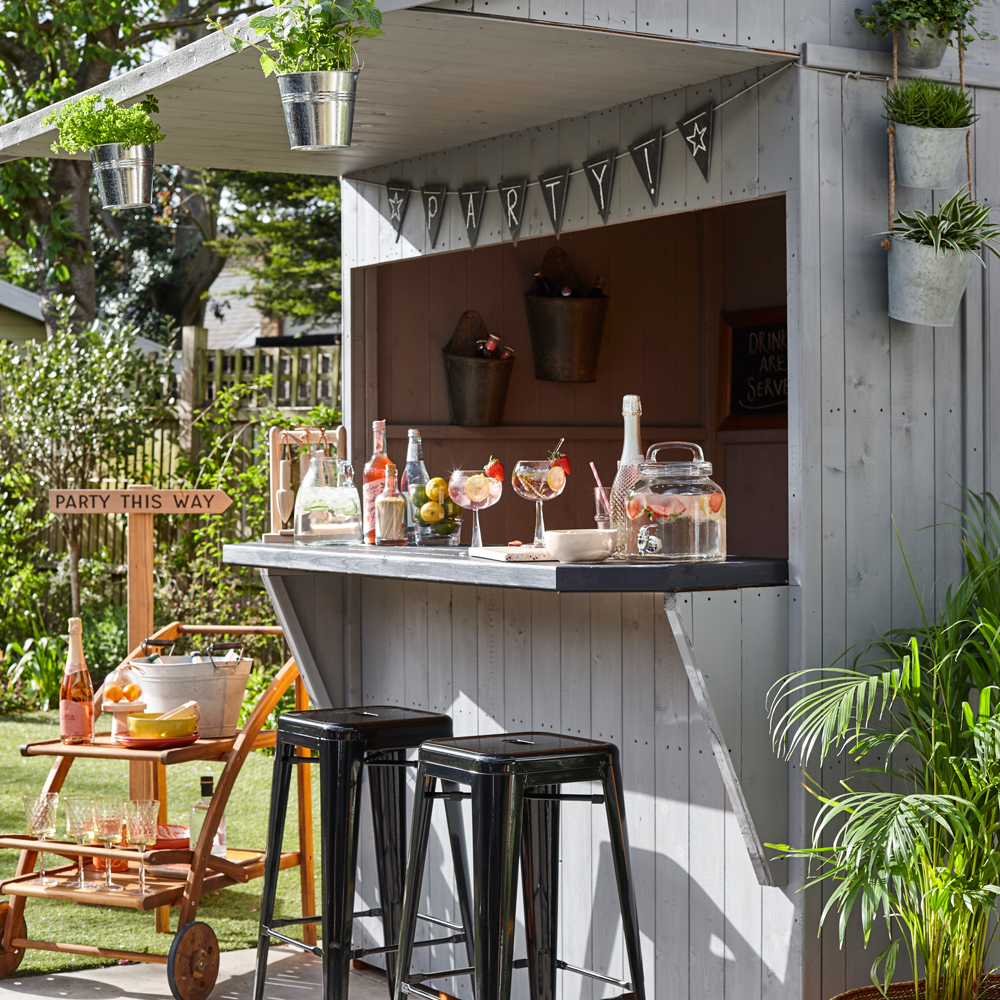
928 54
927 287
319 108
927 157
124 174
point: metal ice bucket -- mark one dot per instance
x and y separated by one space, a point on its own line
319 108
124 174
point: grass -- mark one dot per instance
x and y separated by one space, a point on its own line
232 913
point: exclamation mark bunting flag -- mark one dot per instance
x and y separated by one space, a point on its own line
399 195
646 157
601 176
512 196
471 199
554 189
433 210
696 130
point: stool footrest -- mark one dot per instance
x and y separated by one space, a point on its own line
387 948
375 911
590 974
597 800
453 796
294 921
312 949
440 922
422 977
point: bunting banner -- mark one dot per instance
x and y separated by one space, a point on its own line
646 157
601 176
696 130
434 198
512 199
554 188
471 199
399 197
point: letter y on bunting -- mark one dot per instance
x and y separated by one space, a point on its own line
601 176
696 131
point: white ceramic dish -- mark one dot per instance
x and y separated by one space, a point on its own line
581 544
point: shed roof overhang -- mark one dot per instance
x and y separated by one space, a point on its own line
437 79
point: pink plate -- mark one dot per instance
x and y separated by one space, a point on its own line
144 743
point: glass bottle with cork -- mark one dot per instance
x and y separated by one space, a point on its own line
374 478
390 512
626 477
199 813
76 692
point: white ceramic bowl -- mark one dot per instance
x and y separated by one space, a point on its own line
581 544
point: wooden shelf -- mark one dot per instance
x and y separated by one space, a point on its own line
104 748
532 432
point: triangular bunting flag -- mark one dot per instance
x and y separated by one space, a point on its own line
399 196
601 175
512 196
433 210
646 157
554 188
471 199
696 131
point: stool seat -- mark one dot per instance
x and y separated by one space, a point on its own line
382 726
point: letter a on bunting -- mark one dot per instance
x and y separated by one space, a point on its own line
601 175
512 195
471 199
554 188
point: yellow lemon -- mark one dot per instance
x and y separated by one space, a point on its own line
436 489
431 512
557 478
477 488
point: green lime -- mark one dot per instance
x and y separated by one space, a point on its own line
451 508
445 527
418 496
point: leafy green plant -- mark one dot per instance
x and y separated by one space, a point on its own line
959 224
306 36
38 664
83 124
944 16
929 104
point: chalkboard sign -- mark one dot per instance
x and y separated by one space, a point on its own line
753 369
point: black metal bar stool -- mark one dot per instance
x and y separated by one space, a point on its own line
350 741
515 795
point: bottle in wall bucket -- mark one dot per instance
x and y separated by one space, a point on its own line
626 477
76 693
374 478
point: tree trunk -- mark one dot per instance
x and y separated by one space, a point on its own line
71 528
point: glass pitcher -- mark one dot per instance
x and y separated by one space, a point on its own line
677 512
327 505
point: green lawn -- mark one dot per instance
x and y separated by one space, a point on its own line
232 913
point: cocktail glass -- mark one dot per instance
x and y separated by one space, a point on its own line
538 481
40 812
141 819
80 825
474 490
108 813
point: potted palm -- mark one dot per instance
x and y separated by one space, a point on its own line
309 45
930 121
931 259
923 856
120 141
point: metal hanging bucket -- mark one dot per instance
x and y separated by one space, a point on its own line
927 157
566 336
477 389
930 50
124 174
927 287
319 108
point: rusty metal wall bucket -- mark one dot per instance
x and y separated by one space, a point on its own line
566 336
477 389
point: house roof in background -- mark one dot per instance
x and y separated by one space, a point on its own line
21 300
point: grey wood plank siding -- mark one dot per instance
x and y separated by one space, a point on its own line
606 666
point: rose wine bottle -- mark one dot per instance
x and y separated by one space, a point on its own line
76 693
374 481
626 477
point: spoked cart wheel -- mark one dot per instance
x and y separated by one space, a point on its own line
10 960
193 962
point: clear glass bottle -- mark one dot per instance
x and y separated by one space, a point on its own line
414 474
199 812
626 477
76 692
374 478
390 512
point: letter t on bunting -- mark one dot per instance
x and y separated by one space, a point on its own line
399 196
696 130
601 175
433 210
471 199
512 196
646 157
554 188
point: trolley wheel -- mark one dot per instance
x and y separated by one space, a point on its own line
193 962
10 960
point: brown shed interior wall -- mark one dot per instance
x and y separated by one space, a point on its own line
668 278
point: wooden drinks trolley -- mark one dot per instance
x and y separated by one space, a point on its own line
193 959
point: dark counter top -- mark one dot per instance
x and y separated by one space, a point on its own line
453 565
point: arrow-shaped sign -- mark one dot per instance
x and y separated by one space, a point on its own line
138 501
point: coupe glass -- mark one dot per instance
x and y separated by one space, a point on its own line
80 825
474 490
538 481
40 812
141 819
108 813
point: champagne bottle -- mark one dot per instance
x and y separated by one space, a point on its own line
76 693
626 478
374 478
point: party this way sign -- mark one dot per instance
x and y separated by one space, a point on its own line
145 501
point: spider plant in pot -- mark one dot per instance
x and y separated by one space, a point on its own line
309 45
930 121
120 141
931 258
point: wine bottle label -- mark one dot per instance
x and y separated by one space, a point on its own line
372 491
73 668
76 718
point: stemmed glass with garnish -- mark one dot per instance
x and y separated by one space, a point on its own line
108 813
141 818
80 825
540 481
475 489
40 812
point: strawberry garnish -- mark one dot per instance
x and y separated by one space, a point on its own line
556 457
493 469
